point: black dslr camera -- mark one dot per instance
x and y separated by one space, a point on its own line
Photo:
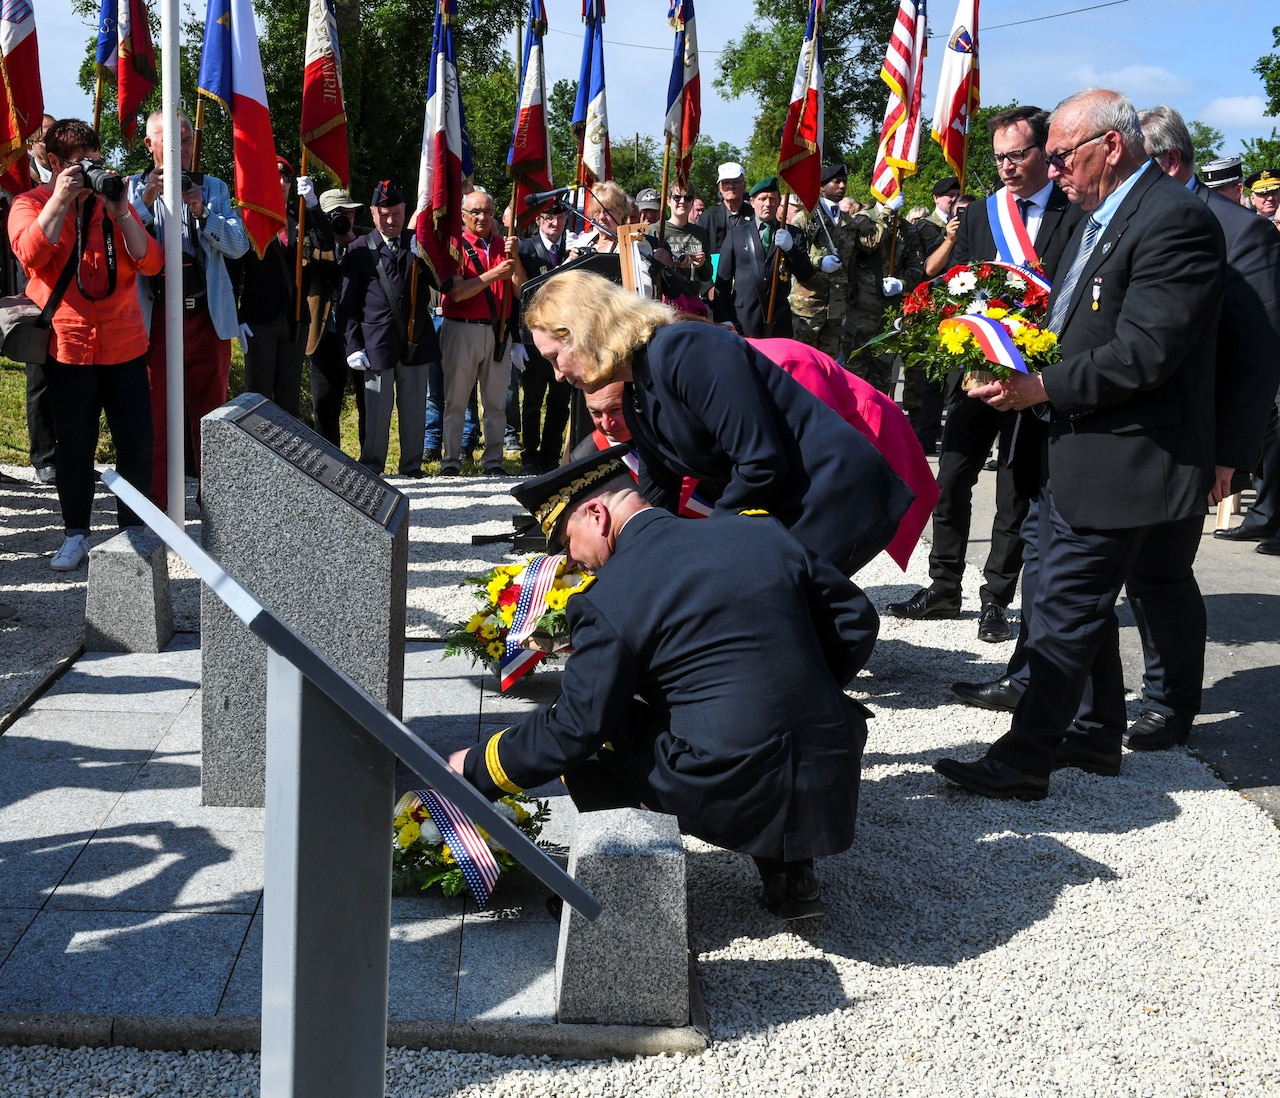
100 181
339 222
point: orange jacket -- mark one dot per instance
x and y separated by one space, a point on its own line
85 333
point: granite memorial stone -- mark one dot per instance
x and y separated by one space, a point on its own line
630 966
324 543
127 606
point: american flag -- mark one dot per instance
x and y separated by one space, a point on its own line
469 850
902 71
535 581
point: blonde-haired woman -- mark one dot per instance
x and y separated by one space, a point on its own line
701 402
608 206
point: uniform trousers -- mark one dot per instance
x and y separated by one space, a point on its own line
80 395
1074 645
329 374
40 432
405 388
273 361
1264 516
468 353
543 441
971 427
206 365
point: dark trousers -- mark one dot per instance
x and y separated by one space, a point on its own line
544 442
1169 610
1264 515
40 430
971 428
329 376
273 361
80 395
1075 642
1018 670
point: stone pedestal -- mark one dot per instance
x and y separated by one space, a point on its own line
323 542
127 607
631 966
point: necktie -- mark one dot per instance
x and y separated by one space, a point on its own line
394 245
1023 203
766 232
552 252
1092 230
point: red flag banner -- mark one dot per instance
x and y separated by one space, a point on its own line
957 100
324 115
136 65
903 70
684 89
800 161
21 94
529 160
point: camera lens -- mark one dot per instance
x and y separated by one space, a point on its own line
340 223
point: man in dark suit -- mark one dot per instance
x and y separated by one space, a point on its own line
682 695
753 280
1130 436
375 308
1171 615
542 438
1027 222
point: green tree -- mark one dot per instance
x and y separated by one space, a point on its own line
1258 153
1206 140
761 63
1268 68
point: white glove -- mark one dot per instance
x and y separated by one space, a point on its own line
519 356
896 202
358 360
784 240
246 334
830 263
307 191
891 286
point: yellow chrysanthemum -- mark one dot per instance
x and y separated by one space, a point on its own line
476 621
447 854
489 628
495 649
507 614
497 585
953 338
557 599
408 835
996 313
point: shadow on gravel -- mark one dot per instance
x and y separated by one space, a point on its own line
1243 618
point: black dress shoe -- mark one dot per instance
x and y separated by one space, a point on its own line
1001 694
993 625
1154 731
1244 532
992 778
793 892
926 603
1075 751
1271 547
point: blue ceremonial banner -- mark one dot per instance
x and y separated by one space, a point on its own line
107 56
590 116
215 56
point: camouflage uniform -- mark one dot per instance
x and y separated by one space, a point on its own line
819 305
866 315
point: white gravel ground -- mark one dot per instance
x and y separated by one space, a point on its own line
1121 937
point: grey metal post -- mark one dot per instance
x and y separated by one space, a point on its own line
327 906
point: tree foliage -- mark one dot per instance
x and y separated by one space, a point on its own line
1206 141
1268 68
761 63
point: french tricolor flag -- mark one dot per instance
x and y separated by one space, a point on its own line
231 74
590 111
529 160
684 89
800 162
993 339
21 95
324 114
446 154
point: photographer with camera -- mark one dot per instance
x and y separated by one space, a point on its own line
78 240
212 233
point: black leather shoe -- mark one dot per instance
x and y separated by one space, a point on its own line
993 625
1244 532
1075 751
924 604
1001 694
1271 547
991 778
793 893
1157 732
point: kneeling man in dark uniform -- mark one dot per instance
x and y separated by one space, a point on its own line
706 679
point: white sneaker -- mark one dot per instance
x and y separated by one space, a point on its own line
72 554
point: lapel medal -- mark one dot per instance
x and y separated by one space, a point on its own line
1097 292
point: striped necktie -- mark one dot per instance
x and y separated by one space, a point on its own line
1067 288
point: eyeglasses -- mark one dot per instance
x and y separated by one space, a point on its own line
478 213
1014 156
1058 160
681 197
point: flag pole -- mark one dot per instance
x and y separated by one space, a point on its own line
199 131
777 266
97 104
302 234
662 198
175 380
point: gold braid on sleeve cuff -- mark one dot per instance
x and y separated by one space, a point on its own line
494 765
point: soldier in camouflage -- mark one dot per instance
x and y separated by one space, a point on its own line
877 287
819 304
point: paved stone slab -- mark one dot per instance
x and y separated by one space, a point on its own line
127 608
13 923
506 970
171 869
243 995
426 937
129 683
101 962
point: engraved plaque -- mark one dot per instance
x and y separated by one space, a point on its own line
323 462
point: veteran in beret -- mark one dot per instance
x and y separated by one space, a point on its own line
706 679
